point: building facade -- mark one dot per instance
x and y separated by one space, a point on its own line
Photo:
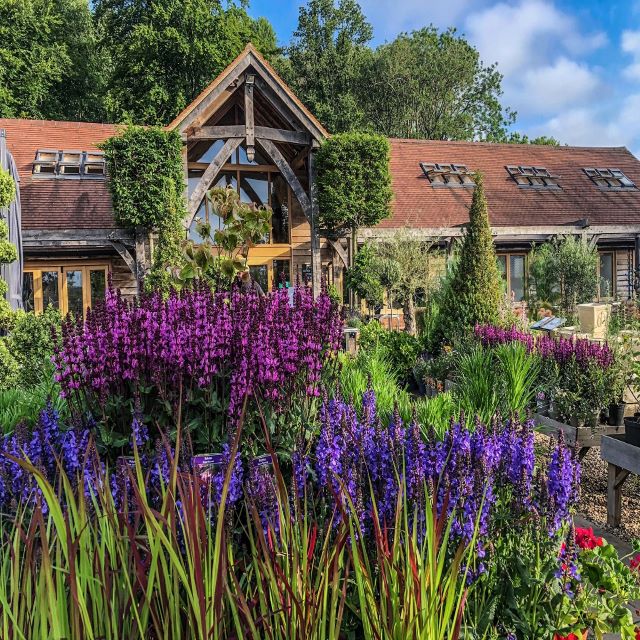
248 131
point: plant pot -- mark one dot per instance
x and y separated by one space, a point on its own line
616 414
632 431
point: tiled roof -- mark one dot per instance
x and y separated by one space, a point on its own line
57 203
419 205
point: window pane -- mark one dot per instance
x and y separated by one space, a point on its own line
281 273
28 300
50 289
502 266
280 207
211 152
516 268
606 275
254 189
260 274
306 275
97 281
74 293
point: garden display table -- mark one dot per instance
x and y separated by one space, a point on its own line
580 438
623 460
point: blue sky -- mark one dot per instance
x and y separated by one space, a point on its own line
571 68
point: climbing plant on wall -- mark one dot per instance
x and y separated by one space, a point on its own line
8 251
146 180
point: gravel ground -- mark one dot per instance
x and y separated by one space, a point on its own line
593 500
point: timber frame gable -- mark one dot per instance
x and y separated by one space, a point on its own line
248 109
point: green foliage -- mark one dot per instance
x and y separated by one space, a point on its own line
49 64
564 272
7 189
162 54
364 277
31 343
518 138
473 293
146 180
19 405
431 84
223 255
8 253
325 61
9 368
354 183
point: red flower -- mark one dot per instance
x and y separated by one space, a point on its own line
571 636
635 566
637 633
585 539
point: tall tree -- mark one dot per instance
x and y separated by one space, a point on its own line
165 52
474 291
326 58
49 67
428 84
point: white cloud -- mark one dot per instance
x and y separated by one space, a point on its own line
546 89
597 126
527 34
631 46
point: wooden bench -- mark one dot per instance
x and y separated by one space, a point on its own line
580 438
623 460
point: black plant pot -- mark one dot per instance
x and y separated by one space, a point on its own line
632 431
616 414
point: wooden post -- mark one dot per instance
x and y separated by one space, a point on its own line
248 116
316 260
615 480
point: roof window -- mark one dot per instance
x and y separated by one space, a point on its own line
69 164
609 179
448 175
533 177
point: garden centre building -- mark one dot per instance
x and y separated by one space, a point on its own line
248 130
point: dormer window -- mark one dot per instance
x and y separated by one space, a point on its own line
447 175
533 177
53 163
610 179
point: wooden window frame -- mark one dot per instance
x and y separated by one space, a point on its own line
36 268
614 275
507 256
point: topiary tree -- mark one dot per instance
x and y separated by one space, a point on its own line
473 295
146 180
8 252
354 183
364 277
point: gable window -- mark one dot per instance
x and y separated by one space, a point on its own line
609 179
533 177
52 163
448 175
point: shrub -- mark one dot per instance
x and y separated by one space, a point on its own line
31 344
473 294
9 368
7 188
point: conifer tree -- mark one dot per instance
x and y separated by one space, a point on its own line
473 294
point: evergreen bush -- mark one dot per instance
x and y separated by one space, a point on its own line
473 293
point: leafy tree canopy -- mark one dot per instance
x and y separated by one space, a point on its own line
162 54
354 184
325 61
49 66
431 84
522 138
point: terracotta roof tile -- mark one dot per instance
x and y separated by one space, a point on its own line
418 204
57 203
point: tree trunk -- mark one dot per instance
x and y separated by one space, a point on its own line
409 312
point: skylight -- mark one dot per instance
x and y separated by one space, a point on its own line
610 179
55 163
448 175
533 177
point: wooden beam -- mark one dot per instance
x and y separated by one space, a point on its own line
249 120
125 255
220 132
316 261
283 166
339 249
207 177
